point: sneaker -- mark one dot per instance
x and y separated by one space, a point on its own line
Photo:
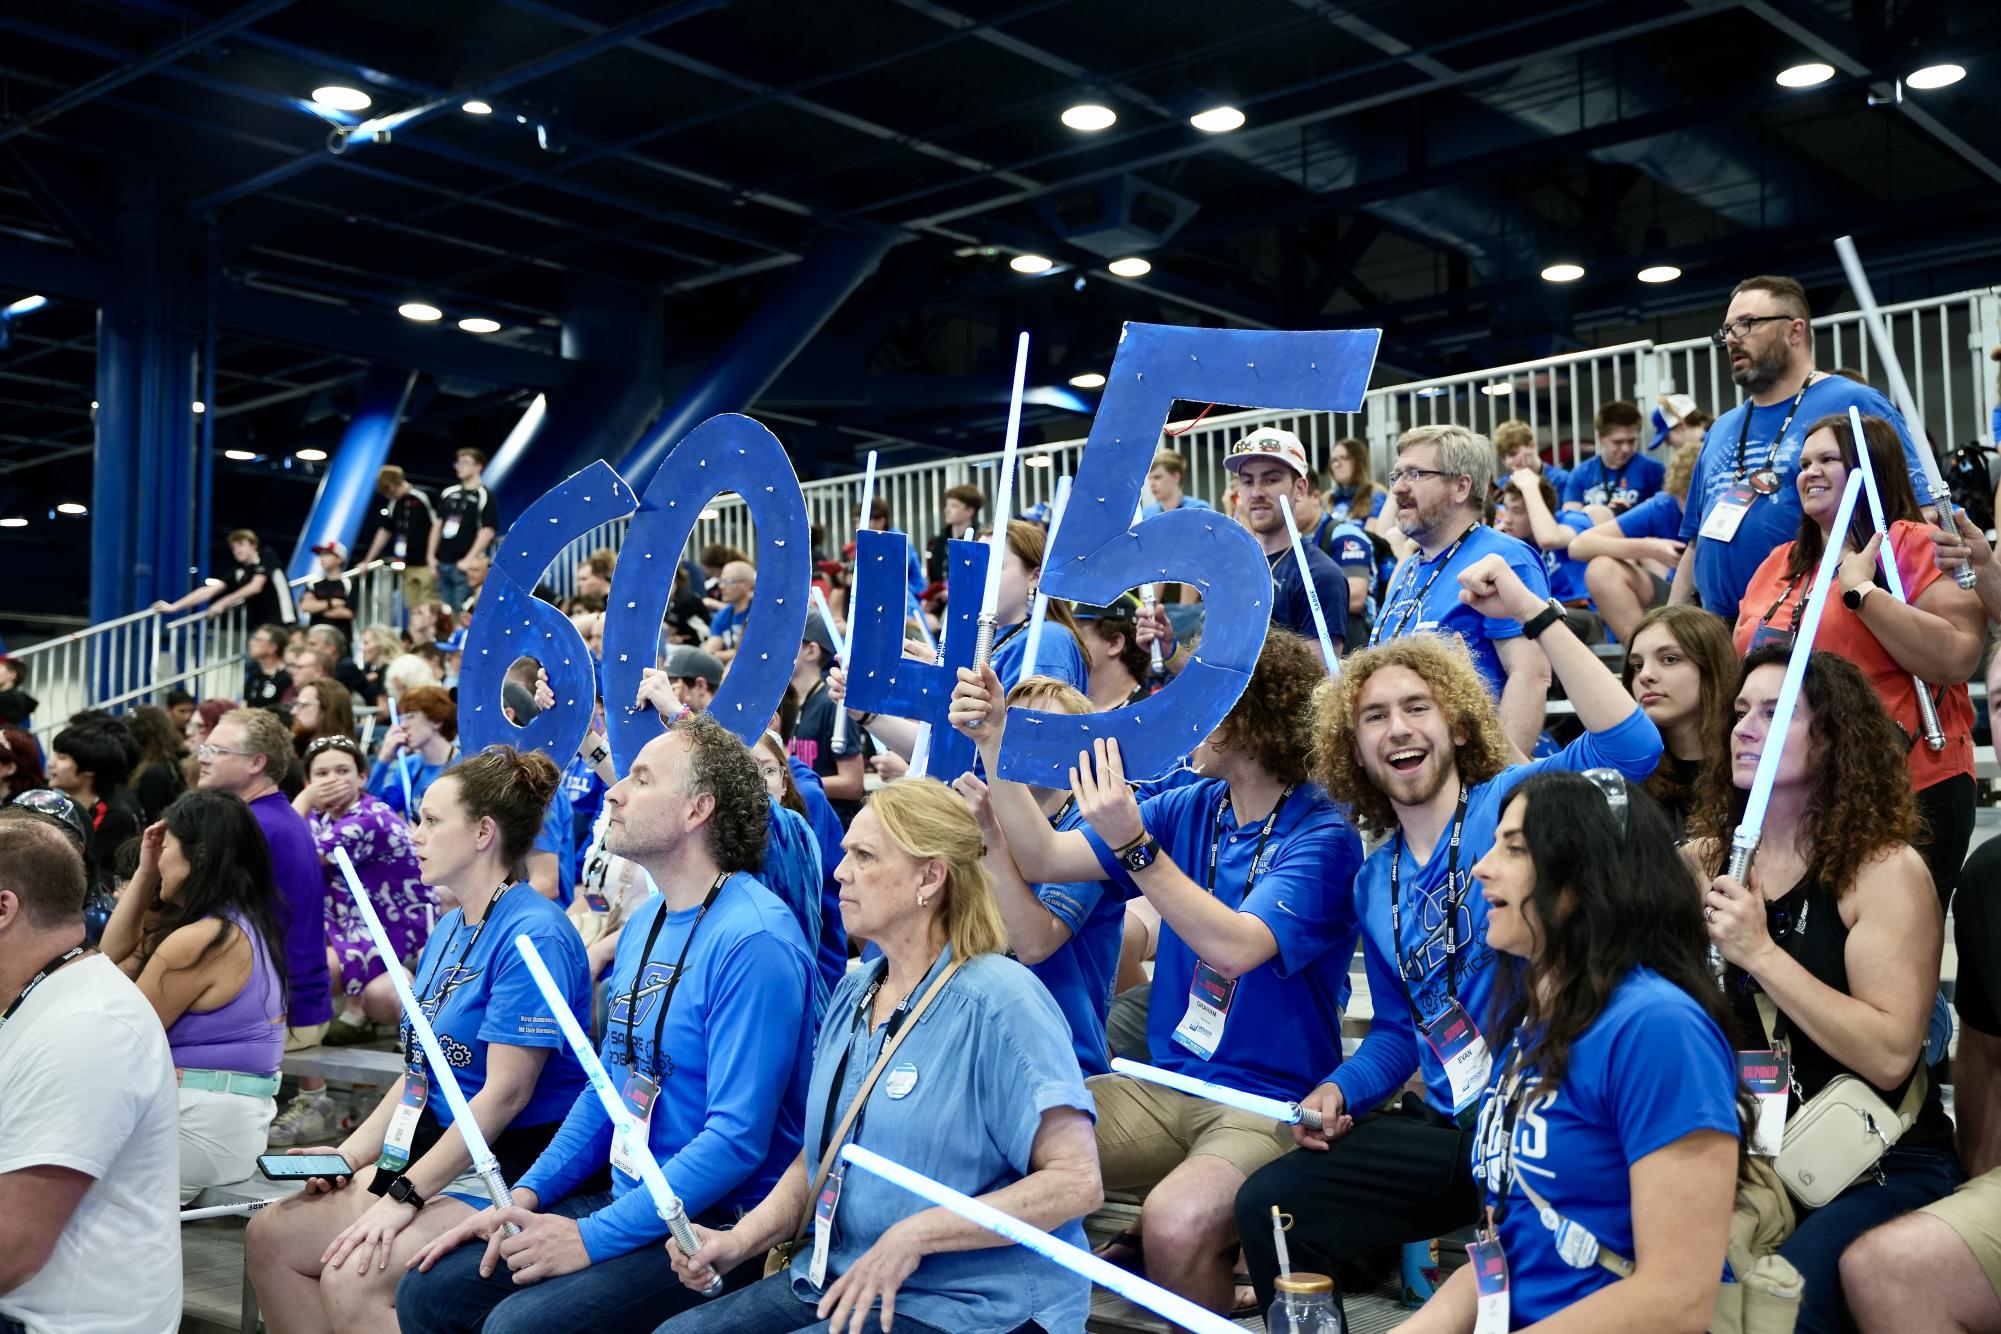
310 1118
346 1032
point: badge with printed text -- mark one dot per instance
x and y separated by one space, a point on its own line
1723 521
402 1132
1463 1053
900 1081
1209 996
640 1093
823 1225
1768 1074
1490 1279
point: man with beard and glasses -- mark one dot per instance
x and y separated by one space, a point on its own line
1742 502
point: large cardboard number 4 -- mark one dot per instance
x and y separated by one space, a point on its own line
1099 553
880 678
729 452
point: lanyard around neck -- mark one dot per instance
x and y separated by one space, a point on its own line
444 978
1744 430
1416 604
673 982
1454 897
68 956
1216 840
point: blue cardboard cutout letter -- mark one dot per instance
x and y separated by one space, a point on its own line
880 678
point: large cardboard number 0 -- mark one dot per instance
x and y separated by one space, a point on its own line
729 452
1099 553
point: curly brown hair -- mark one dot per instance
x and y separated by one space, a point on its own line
1455 683
1861 802
1263 724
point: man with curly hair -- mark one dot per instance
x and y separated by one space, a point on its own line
709 1039
1411 741
1250 868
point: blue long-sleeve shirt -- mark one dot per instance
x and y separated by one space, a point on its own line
1394 1047
737 1055
831 952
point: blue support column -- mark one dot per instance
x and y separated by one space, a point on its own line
763 348
348 488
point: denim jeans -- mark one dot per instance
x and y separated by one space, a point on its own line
628 1293
1912 1178
768 1307
453 588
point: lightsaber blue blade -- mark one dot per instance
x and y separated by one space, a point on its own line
987 624
1176 1309
665 1202
1327 653
483 1161
402 769
1287 1113
1893 578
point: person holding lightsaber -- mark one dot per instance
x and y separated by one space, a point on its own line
415 749
943 1031
1411 741
340 1250
706 1047
1935 633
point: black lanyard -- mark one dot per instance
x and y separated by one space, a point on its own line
639 975
1416 604
1216 840
896 1018
443 978
1744 431
1784 593
68 956
1508 1111
1453 899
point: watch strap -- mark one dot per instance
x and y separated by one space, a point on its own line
1551 613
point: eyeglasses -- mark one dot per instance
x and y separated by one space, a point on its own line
1737 330
1416 475
208 750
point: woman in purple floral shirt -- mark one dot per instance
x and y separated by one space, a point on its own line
344 815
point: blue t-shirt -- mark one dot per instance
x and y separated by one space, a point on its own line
1351 548
961 1103
1650 1069
1057 655
791 871
727 625
384 781
832 946
1284 1019
1081 973
586 792
475 989
1723 570
1341 504
558 835
1565 571
737 1043
1418 603
1395 1047
1592 483
1658 515
1557 477
1289 607
1152 507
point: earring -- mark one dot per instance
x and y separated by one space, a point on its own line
922 901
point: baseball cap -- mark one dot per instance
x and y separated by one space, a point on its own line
519 701
1268 442
1676 407
337 548
816 633
686 662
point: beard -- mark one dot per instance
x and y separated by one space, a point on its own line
1762 369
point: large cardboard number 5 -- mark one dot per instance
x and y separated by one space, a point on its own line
729 452
1099 553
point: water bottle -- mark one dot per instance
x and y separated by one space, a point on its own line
1305 1305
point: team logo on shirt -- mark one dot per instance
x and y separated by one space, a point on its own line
1434 966
635 1008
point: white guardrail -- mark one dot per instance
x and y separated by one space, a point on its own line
1943 341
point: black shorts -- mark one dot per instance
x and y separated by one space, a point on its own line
515 1148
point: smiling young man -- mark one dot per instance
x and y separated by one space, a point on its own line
1618 476
1411 742
1439 488
1270 468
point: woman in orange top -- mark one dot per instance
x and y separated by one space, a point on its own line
1937 638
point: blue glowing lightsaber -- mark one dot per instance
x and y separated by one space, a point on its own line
1892 576
1327 653
402 769
983 641
1031 648
1287 1113
483 1161
1176 1309
1900 394
1744 843
665 1202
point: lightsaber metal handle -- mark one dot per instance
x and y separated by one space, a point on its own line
1928 716
244 1209
1151 601
983 640
1742 848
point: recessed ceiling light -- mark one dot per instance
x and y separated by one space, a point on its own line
199 407
709 514
342 99
93 405
1132 266
311 455
1659 273
27 305
479 324
240 455
14 522
1090 117
1805 76
1497 390
420 311
477 108
1036 461
1088 380
1217 120
1031 264
1936 76
72 507
1563 273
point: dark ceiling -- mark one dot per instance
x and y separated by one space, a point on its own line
1409 166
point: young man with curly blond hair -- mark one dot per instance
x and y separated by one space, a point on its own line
1250 868
1410 740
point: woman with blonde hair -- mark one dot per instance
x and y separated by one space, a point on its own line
962 1036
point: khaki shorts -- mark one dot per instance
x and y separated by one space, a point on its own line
419 584
1146 1131
298 1039
1974 1212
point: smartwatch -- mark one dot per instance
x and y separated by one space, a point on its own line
1551 613
401 1191
1136 857
1852 598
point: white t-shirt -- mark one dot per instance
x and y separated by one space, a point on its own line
86 1082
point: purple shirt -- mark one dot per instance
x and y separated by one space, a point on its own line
295 869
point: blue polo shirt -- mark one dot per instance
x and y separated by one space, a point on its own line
1289 608
1657 516
961 1103
1723 570
1419 603
737 1043
1080 974
1057 655
1395 1048
1592 483
1284 1019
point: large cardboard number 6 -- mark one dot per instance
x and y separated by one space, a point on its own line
729 452
1099 553
512 621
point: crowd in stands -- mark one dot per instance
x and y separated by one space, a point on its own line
791 946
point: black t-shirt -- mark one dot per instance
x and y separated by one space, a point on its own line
408 522
271 605
358 682
462 512
262 690
334 593
115 820
813 742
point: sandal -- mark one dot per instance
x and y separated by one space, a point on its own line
1241 1282
1127 1251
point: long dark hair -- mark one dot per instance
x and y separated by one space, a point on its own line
1704 639
1893 483
1609 898
229 872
